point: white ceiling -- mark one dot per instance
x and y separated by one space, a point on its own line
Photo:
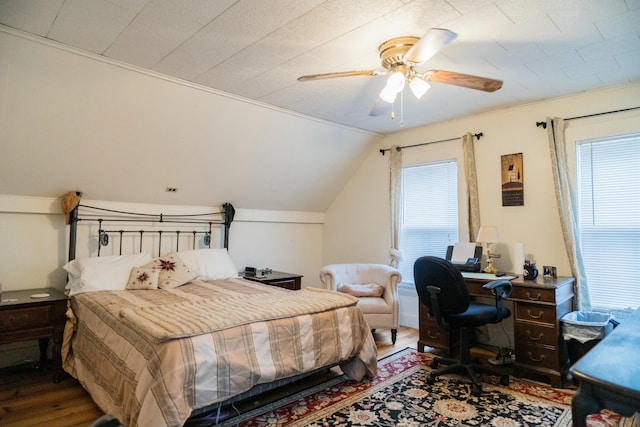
256 49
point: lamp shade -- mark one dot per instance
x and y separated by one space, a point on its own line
419 87
394 86
488 234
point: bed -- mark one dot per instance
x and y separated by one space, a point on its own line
164 348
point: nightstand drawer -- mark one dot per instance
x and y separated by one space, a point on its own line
287 284
25 318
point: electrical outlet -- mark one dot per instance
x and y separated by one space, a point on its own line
171 189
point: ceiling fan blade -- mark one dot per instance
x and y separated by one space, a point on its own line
339 74
429 45
463 80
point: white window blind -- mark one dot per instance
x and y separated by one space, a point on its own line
429 212
609 219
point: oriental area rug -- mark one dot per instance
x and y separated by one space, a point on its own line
400 396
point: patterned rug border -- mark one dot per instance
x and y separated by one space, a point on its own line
524 390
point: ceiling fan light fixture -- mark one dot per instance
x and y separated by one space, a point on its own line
388 94
395 84
396 81
419 87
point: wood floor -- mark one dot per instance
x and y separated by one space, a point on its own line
30 398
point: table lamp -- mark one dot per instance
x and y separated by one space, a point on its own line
488 235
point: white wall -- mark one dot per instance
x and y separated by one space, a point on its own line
357 223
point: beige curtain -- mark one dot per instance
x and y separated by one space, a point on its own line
395 198
473 205
567 210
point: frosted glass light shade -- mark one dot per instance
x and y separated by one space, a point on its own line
419 87
394 85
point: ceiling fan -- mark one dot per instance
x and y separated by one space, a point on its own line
401 55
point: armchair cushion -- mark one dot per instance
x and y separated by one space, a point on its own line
368 290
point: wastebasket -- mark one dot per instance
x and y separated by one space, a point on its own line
583 330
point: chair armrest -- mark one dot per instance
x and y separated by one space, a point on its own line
501 290
434 291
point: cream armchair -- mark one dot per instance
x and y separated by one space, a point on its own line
380 312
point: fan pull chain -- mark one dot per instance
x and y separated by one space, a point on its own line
402 108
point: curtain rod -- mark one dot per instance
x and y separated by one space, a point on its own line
382 150
544 124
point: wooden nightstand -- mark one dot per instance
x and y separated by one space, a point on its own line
24 318
278 278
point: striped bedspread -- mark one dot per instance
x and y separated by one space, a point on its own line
152 375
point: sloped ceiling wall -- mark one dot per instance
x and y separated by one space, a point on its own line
70 121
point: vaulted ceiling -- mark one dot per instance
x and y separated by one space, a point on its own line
257 49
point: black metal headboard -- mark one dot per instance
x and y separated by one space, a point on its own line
114 224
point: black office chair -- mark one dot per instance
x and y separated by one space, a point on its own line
442 289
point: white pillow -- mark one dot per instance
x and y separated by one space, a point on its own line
105 273
212 264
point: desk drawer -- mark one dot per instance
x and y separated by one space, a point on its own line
536 333
433 336
536 313
533 294
24 318
537 356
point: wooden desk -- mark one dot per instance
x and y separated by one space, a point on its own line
538 306
609 374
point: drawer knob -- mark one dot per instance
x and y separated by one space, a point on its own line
534 359
535 316
433 336
536 298
532 338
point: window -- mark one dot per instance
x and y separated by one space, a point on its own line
429 212
608 191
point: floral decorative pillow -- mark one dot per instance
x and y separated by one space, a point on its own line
143 278
173 272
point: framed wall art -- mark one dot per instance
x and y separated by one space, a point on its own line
512 180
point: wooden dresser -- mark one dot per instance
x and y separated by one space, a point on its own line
538 306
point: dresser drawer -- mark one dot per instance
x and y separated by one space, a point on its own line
535 356
25 318
536 333
536 313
